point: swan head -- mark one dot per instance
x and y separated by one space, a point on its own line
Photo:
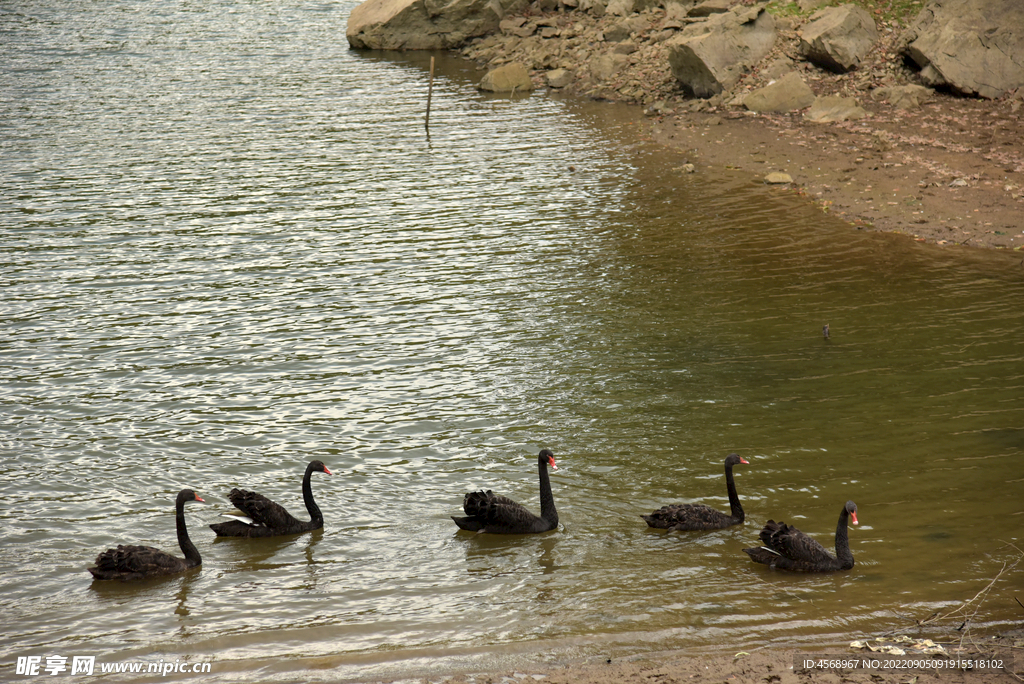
735 459
851 508
187 495
319 466
547 458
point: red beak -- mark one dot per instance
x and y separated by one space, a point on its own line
854 516
551 461
199 498
326 470
743 460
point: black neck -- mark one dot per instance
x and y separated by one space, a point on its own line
843 552
734 498
187 547
547 500
307 496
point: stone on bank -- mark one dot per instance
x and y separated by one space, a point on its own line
424 24
559 78
510 78
787 94
973 47
838 38
710 57
832 108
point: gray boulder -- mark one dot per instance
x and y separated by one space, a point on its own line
709 7
710 57
559 78
621 30
621 8
607 65
507 79
838 38
422 24
830 108
785 95
973 47
675 9
903 97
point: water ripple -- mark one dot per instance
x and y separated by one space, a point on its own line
229 247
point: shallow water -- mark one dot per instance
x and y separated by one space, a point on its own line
229 246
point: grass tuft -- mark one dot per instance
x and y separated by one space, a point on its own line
901 12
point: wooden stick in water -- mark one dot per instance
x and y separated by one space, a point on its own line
430 91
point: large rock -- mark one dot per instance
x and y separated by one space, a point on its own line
510 78
709 7
710 57
831 108
422 24
621 8
787 94
606 66
973 47
621 30
838 38
903 97
559 78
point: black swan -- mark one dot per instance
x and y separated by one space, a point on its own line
137 562
700 516
489 512
264 518
790 549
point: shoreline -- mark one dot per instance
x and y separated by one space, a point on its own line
948 171
773 666
879 174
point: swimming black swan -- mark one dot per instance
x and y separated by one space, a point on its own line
268 519
700 516
137 562
489 512
790 549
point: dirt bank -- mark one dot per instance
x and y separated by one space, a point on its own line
759 667
950 171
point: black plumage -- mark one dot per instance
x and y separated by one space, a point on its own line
788 548
701 516
490 512
130 562
266 518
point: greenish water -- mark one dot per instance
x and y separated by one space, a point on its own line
229 247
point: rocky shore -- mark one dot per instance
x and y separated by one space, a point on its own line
869 144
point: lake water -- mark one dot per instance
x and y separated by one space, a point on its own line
229 246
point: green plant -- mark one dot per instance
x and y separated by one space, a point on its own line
899 11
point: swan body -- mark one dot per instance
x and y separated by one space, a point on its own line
701 516
265 518
788 548
496 514
130 562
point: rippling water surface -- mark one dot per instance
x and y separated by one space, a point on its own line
229 246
